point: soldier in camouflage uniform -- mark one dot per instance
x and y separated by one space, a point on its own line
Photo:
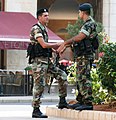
84 57
42 65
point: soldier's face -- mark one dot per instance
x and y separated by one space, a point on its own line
44 19
81 14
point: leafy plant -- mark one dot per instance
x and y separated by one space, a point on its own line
100 31
74 29
99 94
72 74
107 68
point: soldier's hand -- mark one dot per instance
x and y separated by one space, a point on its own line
61 48
56 45
53 50
59 43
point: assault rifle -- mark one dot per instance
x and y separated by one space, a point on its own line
55 62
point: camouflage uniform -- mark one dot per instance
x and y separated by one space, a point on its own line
43 66
84 64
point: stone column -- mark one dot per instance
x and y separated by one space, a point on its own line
109 18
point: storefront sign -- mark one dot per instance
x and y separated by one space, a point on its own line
13 45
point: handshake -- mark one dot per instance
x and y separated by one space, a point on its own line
60 48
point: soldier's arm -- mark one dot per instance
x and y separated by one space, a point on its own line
37 33
76 38
84 32
47 45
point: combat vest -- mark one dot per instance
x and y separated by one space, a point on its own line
36 50
87 45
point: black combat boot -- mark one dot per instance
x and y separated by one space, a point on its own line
62 103
38 114
73 106
85 107
79 103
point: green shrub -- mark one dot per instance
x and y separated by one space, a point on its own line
72 74
107 68
99 94
73 29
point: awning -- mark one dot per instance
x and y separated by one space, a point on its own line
15 29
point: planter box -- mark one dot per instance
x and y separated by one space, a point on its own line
80 115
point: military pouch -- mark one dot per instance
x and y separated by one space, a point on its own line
78 48
95 42
50 52
30 52
38 50
82 48
88 46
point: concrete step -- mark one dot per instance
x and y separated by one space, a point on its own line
80 115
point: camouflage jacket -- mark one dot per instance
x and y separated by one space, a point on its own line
37 31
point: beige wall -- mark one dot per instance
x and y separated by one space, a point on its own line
21 6
16 59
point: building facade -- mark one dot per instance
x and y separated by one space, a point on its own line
61 13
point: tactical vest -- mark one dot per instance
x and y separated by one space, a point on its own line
86 46
36 50
82 48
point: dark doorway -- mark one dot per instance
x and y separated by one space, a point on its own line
1 51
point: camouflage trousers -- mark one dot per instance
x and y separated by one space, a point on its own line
41 69
84 83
